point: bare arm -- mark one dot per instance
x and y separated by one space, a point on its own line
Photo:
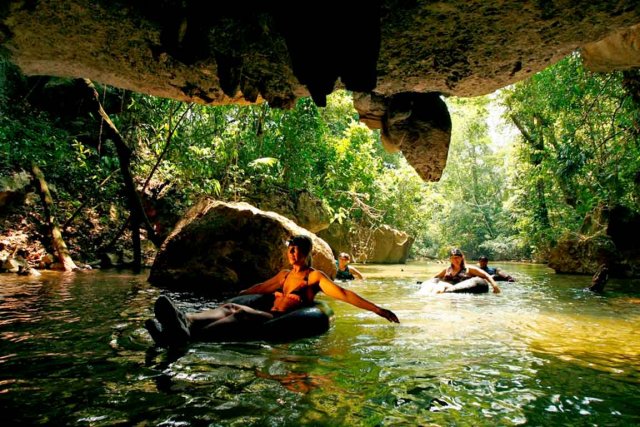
330 288
268 286
356 273
473 271
441 274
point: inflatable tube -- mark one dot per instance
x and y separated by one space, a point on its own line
301 323
431 286
474 285
498 278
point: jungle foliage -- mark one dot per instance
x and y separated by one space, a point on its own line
577 150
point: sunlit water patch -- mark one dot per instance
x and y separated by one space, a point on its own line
543 352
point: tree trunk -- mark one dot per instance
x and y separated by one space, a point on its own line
541 213
631 84
138 217
59 247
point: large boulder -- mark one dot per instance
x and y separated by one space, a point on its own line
608 237
14 189
389 246
301 207
222 248
383 245
579 254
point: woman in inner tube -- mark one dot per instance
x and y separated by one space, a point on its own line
293 289
455 278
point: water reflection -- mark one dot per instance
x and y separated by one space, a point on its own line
544 352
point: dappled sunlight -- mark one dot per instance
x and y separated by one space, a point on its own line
298 382
542 352
599 339
607 344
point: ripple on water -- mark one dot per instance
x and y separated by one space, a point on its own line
541 353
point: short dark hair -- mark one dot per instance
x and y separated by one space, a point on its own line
455 251
483 258
303 243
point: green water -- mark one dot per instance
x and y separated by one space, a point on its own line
544 352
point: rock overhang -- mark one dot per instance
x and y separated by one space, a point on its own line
397 56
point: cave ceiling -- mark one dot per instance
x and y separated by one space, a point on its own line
398 57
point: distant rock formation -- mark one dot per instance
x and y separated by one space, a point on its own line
14 189
301 207
385 245
608 237
389 246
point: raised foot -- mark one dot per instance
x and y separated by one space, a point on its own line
174 323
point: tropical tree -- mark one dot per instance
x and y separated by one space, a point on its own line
578 150
467 203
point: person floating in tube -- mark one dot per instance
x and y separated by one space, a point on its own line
293 289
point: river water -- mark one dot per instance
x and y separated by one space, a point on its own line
544 352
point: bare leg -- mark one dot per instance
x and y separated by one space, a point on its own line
176 328
208 316
227 314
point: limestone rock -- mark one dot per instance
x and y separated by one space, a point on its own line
619 51
418 124
612 240
13 190
389 246
338 237
248 51
222 248
302 208
581 254
386 245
